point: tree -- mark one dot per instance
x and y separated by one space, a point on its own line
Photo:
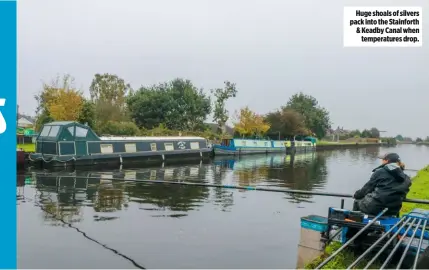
87 115
220 113
108 93
427 139
191 105
316 118
287 122
66 105
366 133
355 134
177 104
418 140
249 123
399 138
59 100
375 133
408 139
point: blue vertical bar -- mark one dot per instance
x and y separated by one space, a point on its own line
8 258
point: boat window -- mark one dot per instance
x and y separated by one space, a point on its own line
130 148
153 146
169 146
54 131
106 148
81 132
71 130
45 131
195 145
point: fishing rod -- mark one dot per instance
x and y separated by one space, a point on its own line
199 184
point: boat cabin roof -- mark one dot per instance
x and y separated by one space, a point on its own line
66 131
60 123
168 138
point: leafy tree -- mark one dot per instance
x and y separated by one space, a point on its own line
108 93
250 123
316 118
366 134
191 105
418 140
109 88
427 139
59 100
408 139
177 104
286 122
150 107
399 138
375 133
355 134
87 115
220 113
66 105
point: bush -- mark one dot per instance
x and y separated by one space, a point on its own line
130 129
119 129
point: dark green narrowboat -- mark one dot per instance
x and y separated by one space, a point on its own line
72 144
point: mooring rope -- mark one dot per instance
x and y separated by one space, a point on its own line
55 216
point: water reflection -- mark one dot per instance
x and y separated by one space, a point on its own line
178 226
63 194
366 154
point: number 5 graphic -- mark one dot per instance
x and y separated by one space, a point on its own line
2 121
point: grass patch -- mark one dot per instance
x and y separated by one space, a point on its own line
333 143
418 190
343 142
28 147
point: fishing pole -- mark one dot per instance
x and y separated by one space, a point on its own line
199 184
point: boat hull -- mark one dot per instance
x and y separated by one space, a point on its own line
20 158
125 159
225 151
244 151
300 149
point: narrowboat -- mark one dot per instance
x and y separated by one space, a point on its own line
72 144
238 146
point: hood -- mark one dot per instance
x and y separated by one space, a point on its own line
395 170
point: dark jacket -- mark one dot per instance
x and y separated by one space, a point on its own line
387 187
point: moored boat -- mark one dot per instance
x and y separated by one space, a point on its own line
73 144
238 146
20 158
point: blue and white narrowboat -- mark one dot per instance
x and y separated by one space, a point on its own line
73 144
238 146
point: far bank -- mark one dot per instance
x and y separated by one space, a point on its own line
322 146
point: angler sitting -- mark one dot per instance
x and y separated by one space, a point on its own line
387 188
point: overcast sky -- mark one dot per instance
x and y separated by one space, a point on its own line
271 49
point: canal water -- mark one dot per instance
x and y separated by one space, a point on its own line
84 219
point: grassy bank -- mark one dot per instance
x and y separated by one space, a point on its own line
342 143
422 143
28 147
418 190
